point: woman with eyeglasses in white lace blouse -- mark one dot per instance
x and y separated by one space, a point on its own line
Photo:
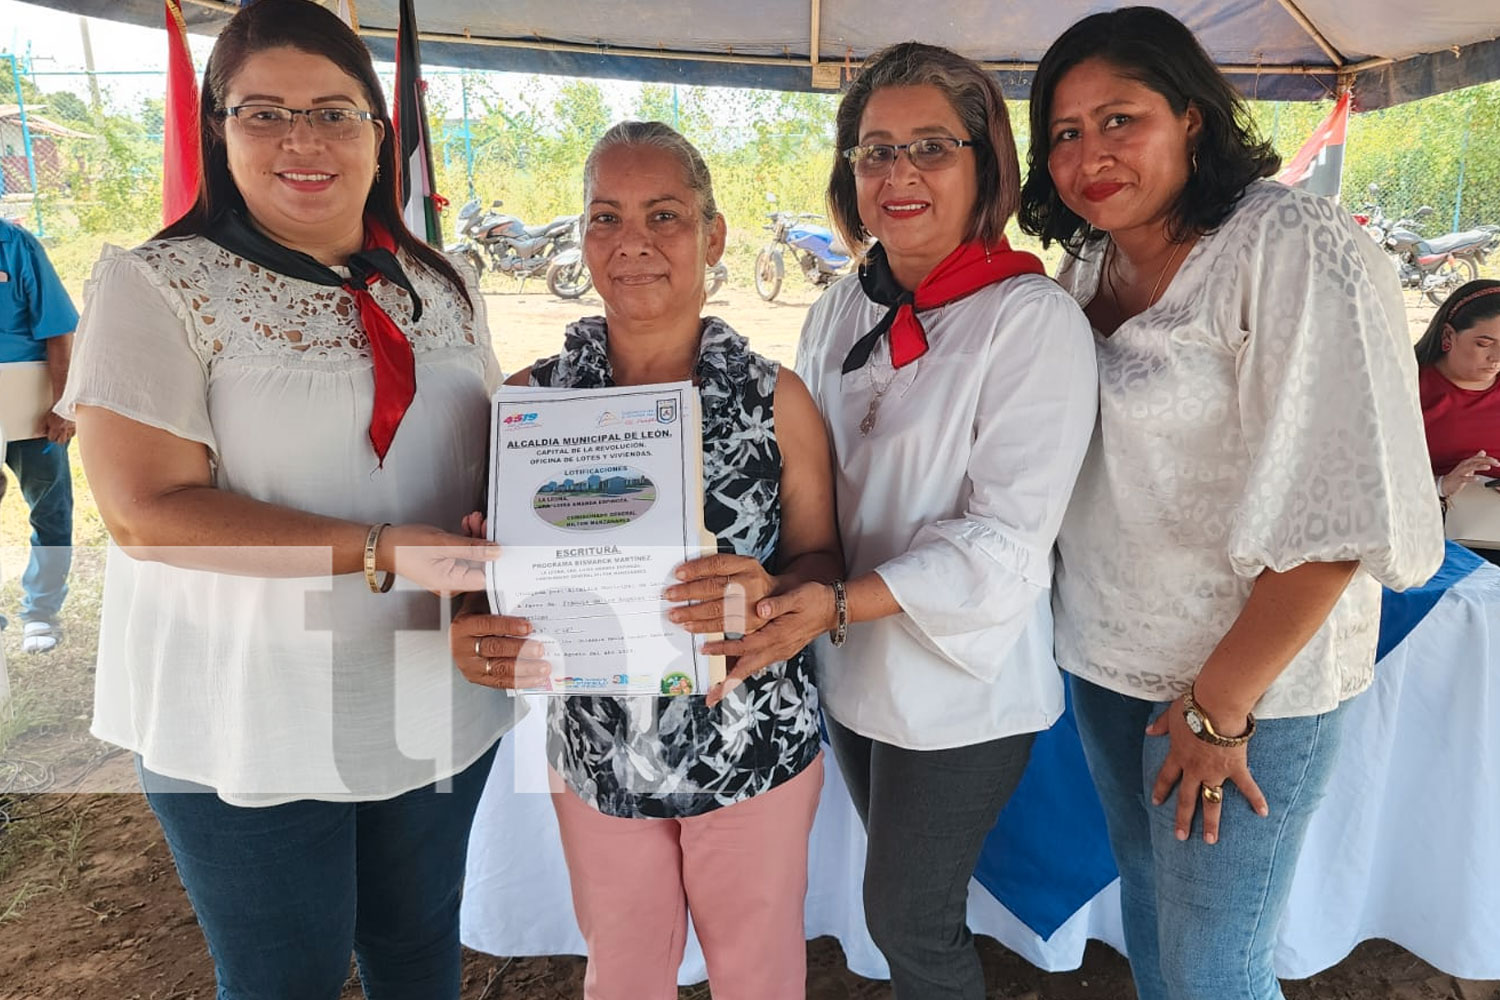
282 399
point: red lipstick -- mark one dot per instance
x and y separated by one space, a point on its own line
1101 190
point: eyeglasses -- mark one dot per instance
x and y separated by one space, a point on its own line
931 153
268 121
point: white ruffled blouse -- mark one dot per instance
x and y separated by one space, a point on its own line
270 690
1263 414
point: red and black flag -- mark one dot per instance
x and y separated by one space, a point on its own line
419 203
1319 165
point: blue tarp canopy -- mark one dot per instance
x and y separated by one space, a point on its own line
1389 51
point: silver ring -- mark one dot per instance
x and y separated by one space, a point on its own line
477 651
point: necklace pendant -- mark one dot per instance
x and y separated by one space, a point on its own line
868 423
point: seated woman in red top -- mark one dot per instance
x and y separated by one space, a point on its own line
1459 359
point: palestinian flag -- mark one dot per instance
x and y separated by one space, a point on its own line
1319 165
419 204
180 164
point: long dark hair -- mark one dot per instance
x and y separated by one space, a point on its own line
976 99
311 28
1460 311
1157 50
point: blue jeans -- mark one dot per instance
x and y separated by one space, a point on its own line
1201 920
46 482
284 893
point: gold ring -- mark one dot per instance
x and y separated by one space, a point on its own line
489 667
477 650
1213 793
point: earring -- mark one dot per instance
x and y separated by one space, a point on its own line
1195 161
1447 345
377 171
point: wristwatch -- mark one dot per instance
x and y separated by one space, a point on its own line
1199 726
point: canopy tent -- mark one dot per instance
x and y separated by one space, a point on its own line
1389 51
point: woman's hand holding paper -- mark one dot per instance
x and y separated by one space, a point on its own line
724 591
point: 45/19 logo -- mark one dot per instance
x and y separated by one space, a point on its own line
519 418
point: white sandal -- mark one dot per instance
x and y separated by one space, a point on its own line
39 637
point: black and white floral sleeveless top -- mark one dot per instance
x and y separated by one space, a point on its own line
645 757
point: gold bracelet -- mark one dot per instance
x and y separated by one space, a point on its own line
372 540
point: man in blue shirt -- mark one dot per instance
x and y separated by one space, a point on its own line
36 324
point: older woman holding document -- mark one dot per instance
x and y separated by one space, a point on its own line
689 804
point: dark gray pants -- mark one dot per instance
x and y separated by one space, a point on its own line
927 813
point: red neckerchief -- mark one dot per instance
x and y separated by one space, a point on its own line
395 364
970 267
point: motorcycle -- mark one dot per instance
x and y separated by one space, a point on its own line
514 248
569 277
1433 267
821 255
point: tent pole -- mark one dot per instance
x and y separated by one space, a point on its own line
814 48
1317 36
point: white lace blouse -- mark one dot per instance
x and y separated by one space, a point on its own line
1263 414
270 690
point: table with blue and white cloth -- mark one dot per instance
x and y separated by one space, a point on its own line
1406 846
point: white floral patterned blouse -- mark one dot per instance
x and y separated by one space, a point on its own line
1263 414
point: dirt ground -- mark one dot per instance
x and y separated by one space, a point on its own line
91 909
110 922
530 326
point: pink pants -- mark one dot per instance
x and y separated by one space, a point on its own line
741 870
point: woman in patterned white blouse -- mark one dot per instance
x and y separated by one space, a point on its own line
259 391
1258 472
693 804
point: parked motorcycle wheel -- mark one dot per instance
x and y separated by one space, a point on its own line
715 278
569 281
1449 275
476 260
768 274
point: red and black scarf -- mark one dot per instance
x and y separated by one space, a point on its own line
394 363
970 267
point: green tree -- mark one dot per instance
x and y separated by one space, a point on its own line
153 115
66 106
115 179
29 91
656 103
581 114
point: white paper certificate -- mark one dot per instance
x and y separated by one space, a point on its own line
596 497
